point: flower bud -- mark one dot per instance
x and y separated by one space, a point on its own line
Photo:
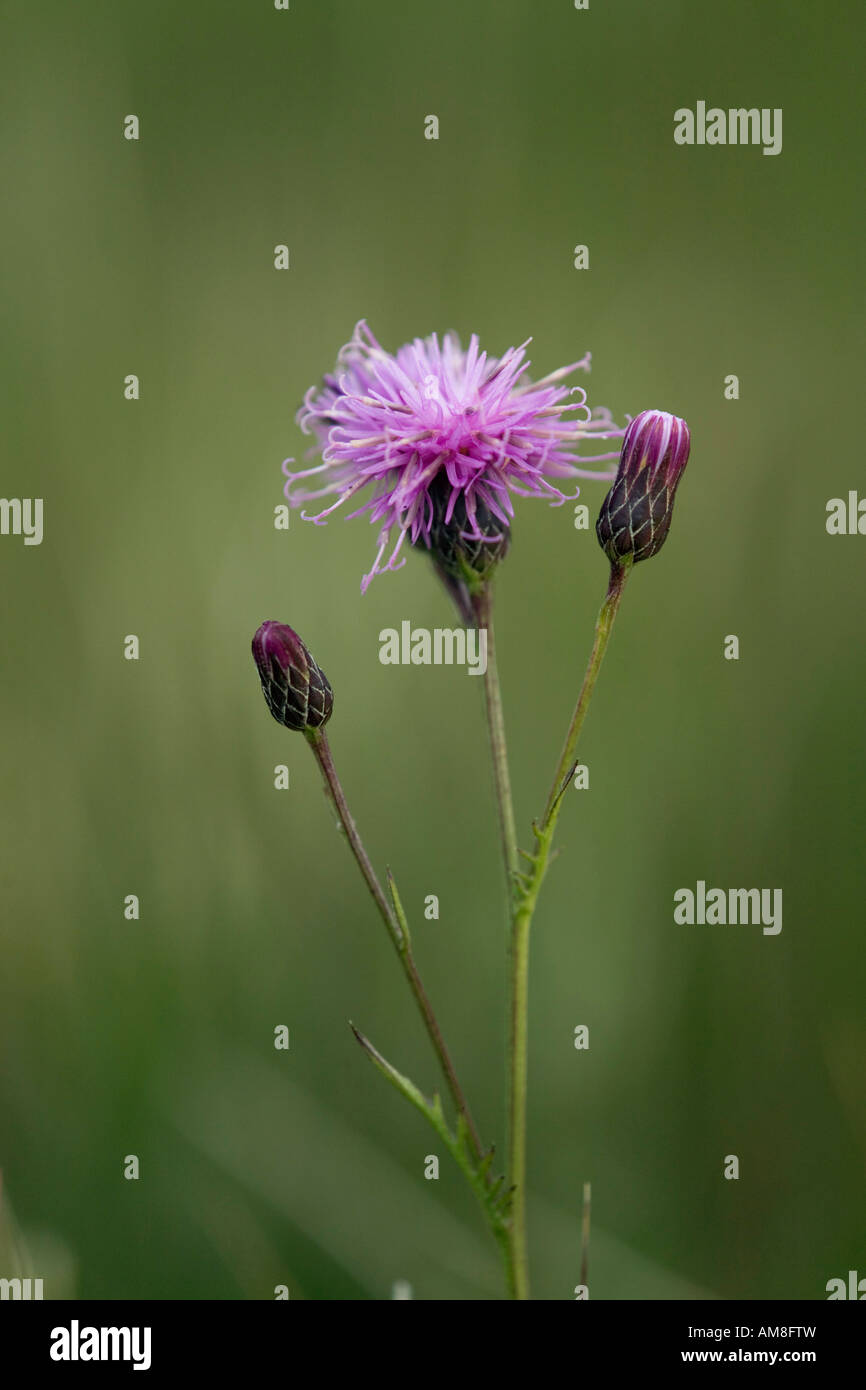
297 692
635 516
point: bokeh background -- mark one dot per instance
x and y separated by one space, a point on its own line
155 777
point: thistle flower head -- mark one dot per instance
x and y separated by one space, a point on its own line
635 515
297 692
437 432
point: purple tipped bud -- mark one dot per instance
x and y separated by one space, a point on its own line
297 692
635 516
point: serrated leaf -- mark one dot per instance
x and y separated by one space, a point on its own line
477 1173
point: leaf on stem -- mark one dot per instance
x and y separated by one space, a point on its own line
493 1200
399 911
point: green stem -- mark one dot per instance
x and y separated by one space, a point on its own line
518 1073
529 887
395 922
515 1251
603 627
482 603
584 1233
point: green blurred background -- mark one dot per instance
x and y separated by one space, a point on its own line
156 778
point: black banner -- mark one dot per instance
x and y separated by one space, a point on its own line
207 1339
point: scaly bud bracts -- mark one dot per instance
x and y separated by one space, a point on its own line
297 692
465 549
635 516
464 546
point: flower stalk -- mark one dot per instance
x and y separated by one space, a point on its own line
528 888
394 917
632 526
515 1254
482 604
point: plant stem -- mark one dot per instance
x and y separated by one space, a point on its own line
518 1072
584 1233
482 604
603 628
516 1264
529 886
396 925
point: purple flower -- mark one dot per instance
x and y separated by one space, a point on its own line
296 691
433 417
635 516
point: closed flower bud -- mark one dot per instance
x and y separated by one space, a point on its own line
635 516
296 691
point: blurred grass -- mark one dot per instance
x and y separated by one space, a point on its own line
156 777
